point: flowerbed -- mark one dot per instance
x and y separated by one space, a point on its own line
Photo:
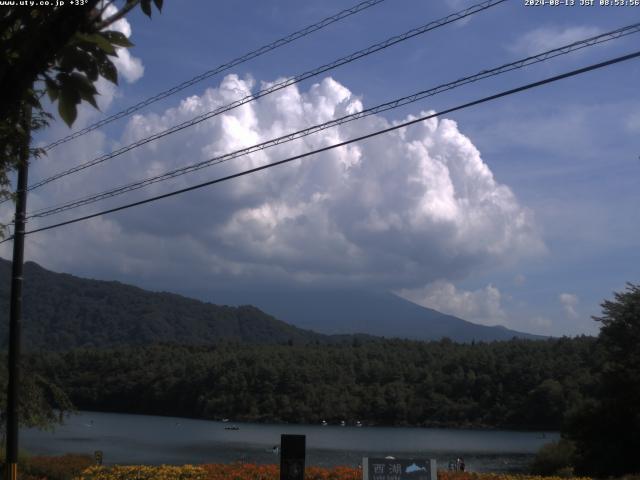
212 472
272 472
64 467
74 467
143 472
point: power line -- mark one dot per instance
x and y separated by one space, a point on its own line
346 142
278 86
614 34
221 68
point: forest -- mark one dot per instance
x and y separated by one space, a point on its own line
517 384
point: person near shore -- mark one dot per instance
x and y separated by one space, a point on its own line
461 465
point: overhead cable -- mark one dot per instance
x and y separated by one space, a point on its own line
344 143
541 57
221 68
277 86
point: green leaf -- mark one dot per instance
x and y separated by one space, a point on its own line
97 58
100 40
69 98
82 57
82 83
84 87
117 38
87 97
146 7
67 110
52 89
69 58
91 69
108 70
158 4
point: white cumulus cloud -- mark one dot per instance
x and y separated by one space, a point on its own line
481 306
398 211
569 303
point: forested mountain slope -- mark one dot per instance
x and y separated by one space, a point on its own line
61 311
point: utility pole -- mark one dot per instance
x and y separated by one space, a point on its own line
15 314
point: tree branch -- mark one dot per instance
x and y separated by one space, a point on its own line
117 16
102 9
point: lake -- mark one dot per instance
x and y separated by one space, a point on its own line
145 439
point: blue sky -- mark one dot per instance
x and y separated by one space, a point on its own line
524 212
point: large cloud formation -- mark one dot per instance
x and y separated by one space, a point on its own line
398 211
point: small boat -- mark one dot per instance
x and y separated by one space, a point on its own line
358 423
343 423
324 423
232 427
225 420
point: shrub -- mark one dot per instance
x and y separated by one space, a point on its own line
143 472
64 467
244 471
554 459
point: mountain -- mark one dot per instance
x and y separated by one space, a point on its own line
375 313
62 311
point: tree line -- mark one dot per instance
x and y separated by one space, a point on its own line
516 384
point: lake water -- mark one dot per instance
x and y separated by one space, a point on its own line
144 439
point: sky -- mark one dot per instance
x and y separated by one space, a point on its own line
520 212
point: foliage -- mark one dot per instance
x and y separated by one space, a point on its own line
143 472
605 427
23 457
42 403
63 467
554 458
241 471
391 382
62 311
245 471
59 50
77 467
237 471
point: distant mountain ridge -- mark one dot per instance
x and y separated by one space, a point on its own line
62 311
374 313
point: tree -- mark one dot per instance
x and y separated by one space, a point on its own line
42 403
59 50
606 430
545 404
